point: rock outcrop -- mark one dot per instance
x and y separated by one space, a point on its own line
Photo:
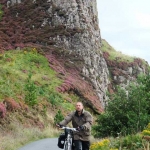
123 68
68 32
70 25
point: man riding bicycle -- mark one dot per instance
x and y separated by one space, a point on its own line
82 121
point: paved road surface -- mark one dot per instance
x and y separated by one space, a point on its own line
44 144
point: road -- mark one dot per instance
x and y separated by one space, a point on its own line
44 144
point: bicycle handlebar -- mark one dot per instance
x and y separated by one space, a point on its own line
73 129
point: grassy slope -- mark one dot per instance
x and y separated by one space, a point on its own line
117 55
15 68
22 126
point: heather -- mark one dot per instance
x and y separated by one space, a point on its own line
41 80
29 98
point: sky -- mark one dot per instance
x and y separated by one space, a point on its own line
125 25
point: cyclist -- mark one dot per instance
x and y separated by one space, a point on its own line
82 121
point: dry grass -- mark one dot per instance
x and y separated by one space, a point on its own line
115 54
20 136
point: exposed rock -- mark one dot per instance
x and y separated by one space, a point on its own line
69 24
123 72
68 32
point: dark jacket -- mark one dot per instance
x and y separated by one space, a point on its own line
85 119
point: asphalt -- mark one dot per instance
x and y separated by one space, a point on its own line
44 144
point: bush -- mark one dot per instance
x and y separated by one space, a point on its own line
2 110
126 113
146 131
11 104
31 92
55 99
58 117
131 142
100 145
1 12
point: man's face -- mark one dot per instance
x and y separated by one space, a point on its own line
79 107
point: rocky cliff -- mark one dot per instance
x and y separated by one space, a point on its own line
123 68
68 33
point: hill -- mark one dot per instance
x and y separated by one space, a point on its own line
51 56
31 94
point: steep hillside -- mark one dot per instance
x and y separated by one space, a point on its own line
27 79
31 93
63 29
52 55
68 35
122 68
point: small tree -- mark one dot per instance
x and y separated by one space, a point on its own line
58 117
31 92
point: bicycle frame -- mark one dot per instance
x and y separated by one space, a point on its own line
69 138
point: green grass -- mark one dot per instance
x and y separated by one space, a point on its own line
116 55
15 67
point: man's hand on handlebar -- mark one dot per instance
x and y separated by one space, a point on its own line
58 125
80 128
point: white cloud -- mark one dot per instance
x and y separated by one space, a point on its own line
126 25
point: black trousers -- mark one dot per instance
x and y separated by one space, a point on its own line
81 145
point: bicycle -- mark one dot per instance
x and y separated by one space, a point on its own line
67 138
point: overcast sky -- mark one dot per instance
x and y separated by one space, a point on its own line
125 25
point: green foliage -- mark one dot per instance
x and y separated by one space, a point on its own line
126 113
58 117
15 67
31 92
146 131
55 99
9 82
1 12
130 142
144 82
100 145
40 84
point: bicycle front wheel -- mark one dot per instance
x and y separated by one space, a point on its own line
67 146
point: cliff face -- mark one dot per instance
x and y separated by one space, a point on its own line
71 26
68 32
80 16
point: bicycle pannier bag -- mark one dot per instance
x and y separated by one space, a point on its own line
61 140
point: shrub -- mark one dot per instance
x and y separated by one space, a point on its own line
126 113
11 104
146 131
1 12
131 142
2 110
58 117
100 145
31 92
55 99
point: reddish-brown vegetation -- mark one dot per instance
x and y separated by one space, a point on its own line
74 82
2 110
11 104
22 26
